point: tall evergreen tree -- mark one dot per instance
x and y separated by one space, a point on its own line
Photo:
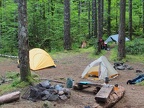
99 24
121 38
89 21
102 12
94 18
116 16
23 41
109 18
67 38
79 14
130 19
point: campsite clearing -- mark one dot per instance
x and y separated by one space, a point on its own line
72 66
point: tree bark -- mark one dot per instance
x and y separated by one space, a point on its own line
9 97
114 97
23 41
94 18
99 28
130 19
109 18
116 16
67 39
79 14
121 38
89 22
102 12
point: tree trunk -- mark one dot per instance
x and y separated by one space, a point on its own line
89 22
102 12
52 7
117 5
130 19
79 14
99 28
109 18
67 39
121 38
94 27
23 41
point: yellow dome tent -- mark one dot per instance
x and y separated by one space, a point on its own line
40 59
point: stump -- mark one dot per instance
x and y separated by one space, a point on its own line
113 98
103 94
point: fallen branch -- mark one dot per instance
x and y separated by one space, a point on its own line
14 96
53 80
8 56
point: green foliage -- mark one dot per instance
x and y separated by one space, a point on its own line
9 86
15 77
19 84
136 47
45 23
113 55
8 22
15 82
129 56
6 88
135 58
12 75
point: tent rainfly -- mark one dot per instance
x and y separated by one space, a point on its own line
114 38
40 59
99 70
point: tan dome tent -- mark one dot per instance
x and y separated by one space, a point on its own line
99 69
40 59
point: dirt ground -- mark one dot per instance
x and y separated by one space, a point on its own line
72 66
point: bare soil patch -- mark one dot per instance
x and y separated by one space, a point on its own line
72 66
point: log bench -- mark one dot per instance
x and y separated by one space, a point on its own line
104 93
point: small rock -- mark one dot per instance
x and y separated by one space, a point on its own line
63 97
67 92
60 92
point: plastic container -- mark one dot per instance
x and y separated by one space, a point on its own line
69 83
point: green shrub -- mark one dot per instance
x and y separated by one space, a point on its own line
135 47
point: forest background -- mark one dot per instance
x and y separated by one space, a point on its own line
46 23
46 29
